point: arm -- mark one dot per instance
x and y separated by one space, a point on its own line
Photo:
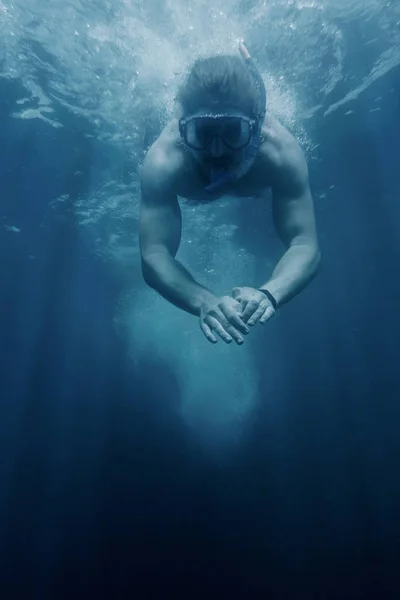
294 219
160 227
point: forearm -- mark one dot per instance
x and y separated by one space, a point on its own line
294 271
171 280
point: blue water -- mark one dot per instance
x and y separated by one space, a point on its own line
137 460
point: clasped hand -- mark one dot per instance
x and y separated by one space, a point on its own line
229 316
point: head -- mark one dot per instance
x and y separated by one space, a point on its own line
219 85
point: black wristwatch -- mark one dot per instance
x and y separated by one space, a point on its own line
270 297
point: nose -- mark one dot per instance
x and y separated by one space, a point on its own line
217 147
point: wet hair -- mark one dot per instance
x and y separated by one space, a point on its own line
219 80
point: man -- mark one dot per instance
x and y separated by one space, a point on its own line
224 144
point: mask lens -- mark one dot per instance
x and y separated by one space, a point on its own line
199 132
236 132
206 129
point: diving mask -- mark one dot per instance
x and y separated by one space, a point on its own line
236 131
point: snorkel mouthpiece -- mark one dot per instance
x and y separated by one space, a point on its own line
219 179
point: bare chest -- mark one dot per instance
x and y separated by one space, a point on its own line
192 185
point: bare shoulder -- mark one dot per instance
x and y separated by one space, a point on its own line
284 155
164 162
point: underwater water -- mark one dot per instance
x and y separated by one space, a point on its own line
137 460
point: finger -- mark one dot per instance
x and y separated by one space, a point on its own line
251 308
267 315
233 331
234 321
208 332
243 307
219 329
257 314
236 294
231 324
235 334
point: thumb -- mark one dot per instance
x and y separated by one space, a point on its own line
236 293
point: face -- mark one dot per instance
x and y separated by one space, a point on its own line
217 152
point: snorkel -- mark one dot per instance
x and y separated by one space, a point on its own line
222 177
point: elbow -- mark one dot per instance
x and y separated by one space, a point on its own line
313 252
316 259
148 273
153 264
